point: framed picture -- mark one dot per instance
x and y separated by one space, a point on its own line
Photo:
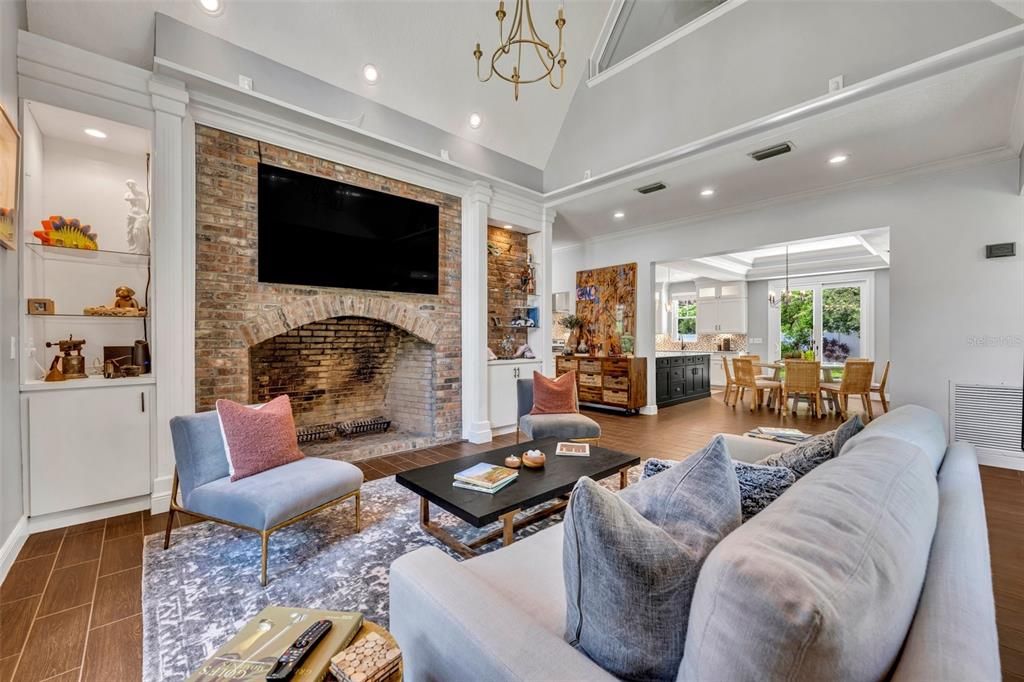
41 306
10 156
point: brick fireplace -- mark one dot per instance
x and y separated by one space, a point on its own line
340 354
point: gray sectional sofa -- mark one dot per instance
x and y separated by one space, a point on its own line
873 565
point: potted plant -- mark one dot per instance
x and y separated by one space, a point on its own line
573 323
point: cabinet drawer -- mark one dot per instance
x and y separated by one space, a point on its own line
678 373
564 365
677 360
592 366
590 380
693 359
588 394
616 397
617 363
621 383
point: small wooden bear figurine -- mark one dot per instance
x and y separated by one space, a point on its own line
126 298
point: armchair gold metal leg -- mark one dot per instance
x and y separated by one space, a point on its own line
358 509
170 512
264 537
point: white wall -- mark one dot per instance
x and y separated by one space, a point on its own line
12 17
954 315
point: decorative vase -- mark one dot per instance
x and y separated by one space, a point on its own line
573 340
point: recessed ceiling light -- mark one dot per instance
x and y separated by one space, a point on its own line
618 215
370 74
838 158
507 227
211 6
93 132
707 192
475 120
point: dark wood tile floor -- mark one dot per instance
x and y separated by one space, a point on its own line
71 606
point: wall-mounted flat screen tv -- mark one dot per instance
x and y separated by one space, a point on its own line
319 232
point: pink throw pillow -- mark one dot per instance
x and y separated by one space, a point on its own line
258 438
554 396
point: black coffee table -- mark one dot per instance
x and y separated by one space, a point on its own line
557 478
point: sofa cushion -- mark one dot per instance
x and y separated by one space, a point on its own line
823 584
266 499
258 438
911 424
760 486
631 561
565 426
554 396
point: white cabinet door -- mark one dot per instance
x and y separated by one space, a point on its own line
87 446
732 316
707 317
717 371
501 387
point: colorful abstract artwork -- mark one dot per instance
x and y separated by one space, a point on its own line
10 154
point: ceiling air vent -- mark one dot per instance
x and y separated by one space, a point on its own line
653 187
769 152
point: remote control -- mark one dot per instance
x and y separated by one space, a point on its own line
300 648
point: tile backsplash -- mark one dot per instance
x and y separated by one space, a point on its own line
704 342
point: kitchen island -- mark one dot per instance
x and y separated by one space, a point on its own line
682 376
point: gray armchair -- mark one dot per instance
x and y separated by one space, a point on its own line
263 503
569 426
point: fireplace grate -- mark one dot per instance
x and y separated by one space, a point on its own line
308 434
360 427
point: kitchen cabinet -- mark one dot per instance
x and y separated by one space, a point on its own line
87 446
502 376
681 378
721 307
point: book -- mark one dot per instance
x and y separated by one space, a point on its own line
250 654
481 489
573 449
486 475
780 431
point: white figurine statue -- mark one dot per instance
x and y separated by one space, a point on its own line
138 218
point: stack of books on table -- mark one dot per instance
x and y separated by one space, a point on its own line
779 434
485 478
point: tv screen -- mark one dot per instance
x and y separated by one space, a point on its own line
319 232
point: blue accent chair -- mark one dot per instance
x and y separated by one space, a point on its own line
263 503
569 426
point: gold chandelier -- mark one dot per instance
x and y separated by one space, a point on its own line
517 40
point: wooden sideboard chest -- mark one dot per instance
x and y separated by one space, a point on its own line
612 382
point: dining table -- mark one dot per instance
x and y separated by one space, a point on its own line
827 376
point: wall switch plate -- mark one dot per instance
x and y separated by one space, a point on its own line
586 174
14 348
835 83
444 155
756 339
244 82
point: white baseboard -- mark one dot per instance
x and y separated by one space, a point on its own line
994 459
503 430
160 500
649 410
12 545
86 514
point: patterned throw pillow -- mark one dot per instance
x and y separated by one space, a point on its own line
759 485
811 453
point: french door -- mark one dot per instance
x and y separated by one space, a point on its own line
829 316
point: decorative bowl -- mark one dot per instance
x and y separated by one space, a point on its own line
534 459
513 462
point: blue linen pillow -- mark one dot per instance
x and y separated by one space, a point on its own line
631 562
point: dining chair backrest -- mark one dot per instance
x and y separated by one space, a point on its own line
744 371
885 376
728 372
753 358
857 377
803 376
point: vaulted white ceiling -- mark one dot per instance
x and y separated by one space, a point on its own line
423 50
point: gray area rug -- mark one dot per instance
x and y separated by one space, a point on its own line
198 593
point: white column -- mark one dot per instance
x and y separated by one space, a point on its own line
544 287
645 288
476 425
172 338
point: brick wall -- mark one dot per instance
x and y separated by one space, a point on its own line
235 312
504 290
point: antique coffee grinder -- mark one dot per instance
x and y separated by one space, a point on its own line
72 362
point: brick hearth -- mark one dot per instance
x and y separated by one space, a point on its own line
340 353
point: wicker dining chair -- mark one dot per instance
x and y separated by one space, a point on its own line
803 380
758 370
730 383
747 380
857 378
880 387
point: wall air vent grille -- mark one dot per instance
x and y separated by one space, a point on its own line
653 187
987 417
769 152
